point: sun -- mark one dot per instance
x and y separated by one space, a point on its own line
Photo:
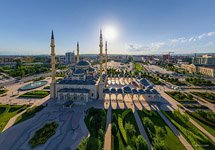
110 33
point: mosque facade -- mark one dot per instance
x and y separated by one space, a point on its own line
83 82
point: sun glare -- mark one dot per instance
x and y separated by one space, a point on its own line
110 33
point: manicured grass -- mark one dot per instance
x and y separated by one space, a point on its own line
138 67
96 123
187 100
194 136
7 112
29 114
42 135
161 131
35 94
47 87
210 97
199 82
174 81
126 132
181 97
204 118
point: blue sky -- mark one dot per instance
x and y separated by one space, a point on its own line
143 26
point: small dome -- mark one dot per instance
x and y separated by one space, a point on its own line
91 69
79 71
83 63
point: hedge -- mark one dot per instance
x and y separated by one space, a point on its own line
122 130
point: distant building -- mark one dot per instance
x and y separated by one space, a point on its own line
166 57
208 71
70 57
207 60
62 59
137 58
7 61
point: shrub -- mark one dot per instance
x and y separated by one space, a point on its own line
141 143
114 129
42 135
93 143
127 111
149 124
130 130
83 144
159 144
114 117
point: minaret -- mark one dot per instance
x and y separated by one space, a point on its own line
53 82
101 60
106 57
101 83
78 52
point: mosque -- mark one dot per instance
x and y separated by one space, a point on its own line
83 83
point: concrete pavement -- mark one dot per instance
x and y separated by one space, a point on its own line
142 130
107 142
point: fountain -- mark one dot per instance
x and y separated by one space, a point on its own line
33 85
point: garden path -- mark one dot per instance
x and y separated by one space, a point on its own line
141 129
175 131
107 143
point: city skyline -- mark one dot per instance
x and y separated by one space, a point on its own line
141 27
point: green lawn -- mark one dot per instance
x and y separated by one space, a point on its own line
126 133
7 112
181 97
47 87
96 124
194 136
138 67
42 135
204 118
161 132
35 94
210 97
29 114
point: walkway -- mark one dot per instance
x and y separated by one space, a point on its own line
202 129
204 102
175 131
107 143
141 129
13 119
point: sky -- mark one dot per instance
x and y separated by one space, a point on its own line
136 26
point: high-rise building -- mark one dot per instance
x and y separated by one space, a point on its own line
70 57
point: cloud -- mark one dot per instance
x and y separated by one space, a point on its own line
138 47
193 38
182 43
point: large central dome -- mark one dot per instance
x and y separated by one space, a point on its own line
83 63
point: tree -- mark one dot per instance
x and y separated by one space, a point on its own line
149 124
128 148
159 144
114 117
161 132
114 129
141 143
93 144
130 130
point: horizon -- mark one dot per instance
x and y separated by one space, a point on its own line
137 28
